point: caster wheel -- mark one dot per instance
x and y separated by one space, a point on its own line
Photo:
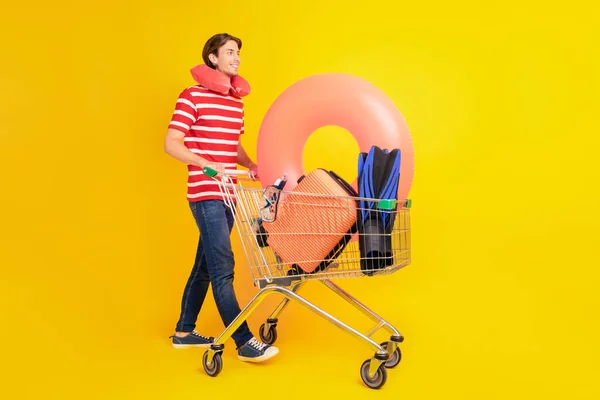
215 367
378 380
268 337
395 358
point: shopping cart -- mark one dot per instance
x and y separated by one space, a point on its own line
256 207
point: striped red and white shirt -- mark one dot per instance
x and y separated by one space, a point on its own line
212 124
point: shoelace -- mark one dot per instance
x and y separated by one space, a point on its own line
194 333
256 344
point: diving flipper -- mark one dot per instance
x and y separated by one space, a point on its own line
389 191
378 178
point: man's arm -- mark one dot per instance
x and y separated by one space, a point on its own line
174 147
243 159
184 115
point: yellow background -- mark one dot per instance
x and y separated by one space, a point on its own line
97 240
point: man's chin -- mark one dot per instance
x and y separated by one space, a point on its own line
233 71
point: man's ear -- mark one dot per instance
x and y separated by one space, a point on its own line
213 59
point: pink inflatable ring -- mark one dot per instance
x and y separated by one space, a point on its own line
321 100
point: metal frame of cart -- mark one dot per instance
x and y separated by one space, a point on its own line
272 275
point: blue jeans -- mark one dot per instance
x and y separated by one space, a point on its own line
214 264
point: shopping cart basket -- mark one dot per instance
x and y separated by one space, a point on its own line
255 207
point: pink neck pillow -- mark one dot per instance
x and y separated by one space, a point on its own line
219 82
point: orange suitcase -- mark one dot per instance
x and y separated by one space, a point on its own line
309 231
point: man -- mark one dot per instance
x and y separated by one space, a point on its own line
205 130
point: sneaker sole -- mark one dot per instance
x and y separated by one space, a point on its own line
185 346
258 359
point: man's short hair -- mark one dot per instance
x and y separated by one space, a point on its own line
213 45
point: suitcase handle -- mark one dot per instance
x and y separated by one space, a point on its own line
349 189
345 184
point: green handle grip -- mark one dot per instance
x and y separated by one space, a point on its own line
387 204
210 172
390 204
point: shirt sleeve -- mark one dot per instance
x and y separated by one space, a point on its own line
185 113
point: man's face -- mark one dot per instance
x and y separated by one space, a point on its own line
228 60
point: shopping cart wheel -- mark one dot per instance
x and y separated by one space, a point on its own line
378 380
215 367
395 358
270 336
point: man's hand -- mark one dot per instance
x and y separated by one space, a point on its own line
220 168
253 168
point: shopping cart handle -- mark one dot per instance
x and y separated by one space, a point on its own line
213 172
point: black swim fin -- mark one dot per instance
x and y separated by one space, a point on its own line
378 178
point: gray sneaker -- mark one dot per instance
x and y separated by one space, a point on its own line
194 339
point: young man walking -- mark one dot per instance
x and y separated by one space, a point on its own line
205 130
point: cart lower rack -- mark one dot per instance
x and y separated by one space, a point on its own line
377 243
